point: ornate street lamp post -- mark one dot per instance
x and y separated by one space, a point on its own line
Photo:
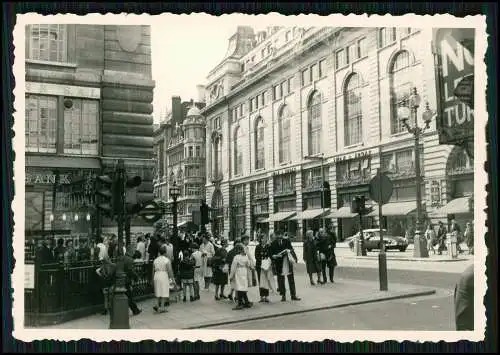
174 192
408 109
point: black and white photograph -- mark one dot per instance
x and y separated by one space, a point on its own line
250 177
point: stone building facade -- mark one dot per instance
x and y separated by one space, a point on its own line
179 144
89 94
285 94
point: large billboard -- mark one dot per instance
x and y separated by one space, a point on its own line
454 55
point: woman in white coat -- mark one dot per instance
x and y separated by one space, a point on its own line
207 252
239 277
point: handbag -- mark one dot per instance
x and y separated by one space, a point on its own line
225 268
266 264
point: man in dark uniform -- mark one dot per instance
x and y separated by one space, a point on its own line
280 259
131 275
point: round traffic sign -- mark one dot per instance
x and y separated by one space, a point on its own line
380 188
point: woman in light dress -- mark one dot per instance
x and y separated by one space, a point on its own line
239 277
207 252
162 274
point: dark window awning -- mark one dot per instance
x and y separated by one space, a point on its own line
310 214
395 209
455 206
279 216
343 212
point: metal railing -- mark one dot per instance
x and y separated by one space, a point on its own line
64 292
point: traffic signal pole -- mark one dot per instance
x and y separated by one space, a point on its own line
119 316
382 256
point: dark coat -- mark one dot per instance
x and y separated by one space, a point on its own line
310 255
277 247
186 268
128 266
218 262
464 300
44 255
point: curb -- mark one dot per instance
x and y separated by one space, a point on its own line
424 292
370 257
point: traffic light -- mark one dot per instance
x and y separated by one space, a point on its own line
131 203
204 213
358 204
104 195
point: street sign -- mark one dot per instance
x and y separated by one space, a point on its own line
151 212
380 188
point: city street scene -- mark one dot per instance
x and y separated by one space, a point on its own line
267 177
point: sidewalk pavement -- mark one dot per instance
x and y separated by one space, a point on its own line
208 312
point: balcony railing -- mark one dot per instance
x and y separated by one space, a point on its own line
260 196
194 160
285 192
314 184
460 170
403 172
353 180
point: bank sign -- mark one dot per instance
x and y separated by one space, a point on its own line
454 51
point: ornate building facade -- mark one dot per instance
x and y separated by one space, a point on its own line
89 91
289 109
179 144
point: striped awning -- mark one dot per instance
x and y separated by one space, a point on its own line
310 214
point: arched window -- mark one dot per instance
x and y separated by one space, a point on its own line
400 87
284 135
259 144
238 153
314 123
353 113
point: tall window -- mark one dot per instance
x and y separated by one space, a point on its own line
238 153
259 144
41 119
284 135
353 113
314 123
386 36
400 87
47 42
80 127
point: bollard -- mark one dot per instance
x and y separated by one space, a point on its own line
382 270
119 316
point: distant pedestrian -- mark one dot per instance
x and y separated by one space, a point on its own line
207 252
162 274
229 260
441 236
263 266
469 237
283 257
430 236
44 254
198 272
59 251
331 258
130 275
311 257
84 251
107 278
239 273
464 300
186 273
457 232
141 248
220 270
69 252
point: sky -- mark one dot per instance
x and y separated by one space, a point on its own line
183 53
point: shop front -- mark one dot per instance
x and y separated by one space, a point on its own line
285 204
260 207
315 201
238 209
58 204
353 177
460 183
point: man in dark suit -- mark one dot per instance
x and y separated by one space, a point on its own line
283 266
131 275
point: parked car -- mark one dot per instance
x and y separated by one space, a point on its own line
372 241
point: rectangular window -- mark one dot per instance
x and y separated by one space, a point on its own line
198 151
287 36
252 105
190 152
306 77
47 42
314 72
362 50
387 35
405 31
263 98
352 53
276 92
41 123
321 67
290 88
340 59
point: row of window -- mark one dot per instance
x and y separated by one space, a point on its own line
351 53
258 101
79 127
313 72
193 151
353 117
282 89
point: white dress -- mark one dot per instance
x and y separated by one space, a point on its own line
161 278
239 272
198 272
210 251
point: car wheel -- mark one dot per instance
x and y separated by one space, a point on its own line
367 249
402 250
